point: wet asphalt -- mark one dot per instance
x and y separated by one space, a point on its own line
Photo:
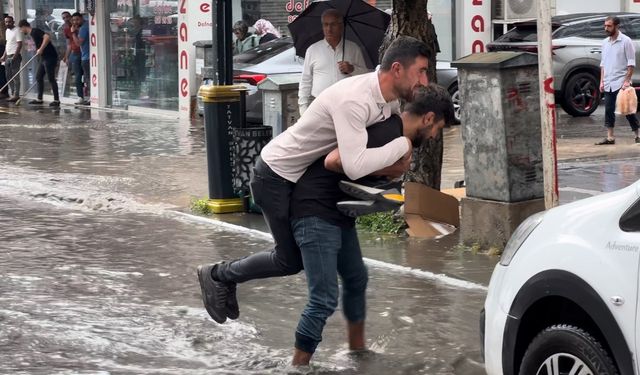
98 266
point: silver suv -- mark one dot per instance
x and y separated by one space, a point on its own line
577 42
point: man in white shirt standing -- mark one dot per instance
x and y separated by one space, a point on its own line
616 70
339 117
12 57
324 62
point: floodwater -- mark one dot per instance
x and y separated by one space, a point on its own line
97 273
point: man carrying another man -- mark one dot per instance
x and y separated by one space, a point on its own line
337 118
324 61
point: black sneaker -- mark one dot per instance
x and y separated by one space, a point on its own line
369 193
637 139
36 101
232 308
55 103
606 141
214 293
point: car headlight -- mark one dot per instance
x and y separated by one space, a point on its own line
519 236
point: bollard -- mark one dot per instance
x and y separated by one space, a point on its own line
222 113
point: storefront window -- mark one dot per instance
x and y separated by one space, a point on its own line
47 16
144 53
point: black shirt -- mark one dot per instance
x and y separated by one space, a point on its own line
317 192
38 37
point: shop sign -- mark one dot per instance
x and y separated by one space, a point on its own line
476 22
194 24
295 7
93 58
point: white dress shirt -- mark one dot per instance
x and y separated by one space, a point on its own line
320 68
338 118
617 55
13 36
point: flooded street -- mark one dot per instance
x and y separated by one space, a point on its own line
116 292
97 274
98 267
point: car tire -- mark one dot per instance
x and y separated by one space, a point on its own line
571 347
581 94
455 98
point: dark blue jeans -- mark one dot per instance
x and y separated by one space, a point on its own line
329 251
76 65
610 108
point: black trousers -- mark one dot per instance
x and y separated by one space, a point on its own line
3 80
272 193
47 66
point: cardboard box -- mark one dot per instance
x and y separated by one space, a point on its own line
431 213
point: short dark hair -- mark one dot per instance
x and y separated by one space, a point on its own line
432 98
7 16
614 19
65 12
77 14
404 50
23 23
241 26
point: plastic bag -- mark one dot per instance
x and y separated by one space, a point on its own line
627 102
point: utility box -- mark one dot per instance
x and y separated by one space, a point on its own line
501 126
501 132
204 58
280 101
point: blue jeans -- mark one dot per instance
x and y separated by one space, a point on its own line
329 251
610 108
76 65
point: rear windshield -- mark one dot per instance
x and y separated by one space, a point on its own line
521 33
263 52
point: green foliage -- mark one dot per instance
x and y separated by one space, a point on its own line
381 222
200 206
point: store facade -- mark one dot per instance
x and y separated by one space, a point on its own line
142 53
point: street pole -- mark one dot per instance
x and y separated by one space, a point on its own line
547 105
223 110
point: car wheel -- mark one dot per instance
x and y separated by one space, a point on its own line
565 349
581 94
455 98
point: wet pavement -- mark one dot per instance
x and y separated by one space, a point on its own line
98 266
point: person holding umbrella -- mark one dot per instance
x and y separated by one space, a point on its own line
328 60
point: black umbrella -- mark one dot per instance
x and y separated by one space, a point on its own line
363 24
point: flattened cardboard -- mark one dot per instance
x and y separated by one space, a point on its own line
430 213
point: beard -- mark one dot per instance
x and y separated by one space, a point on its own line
609 33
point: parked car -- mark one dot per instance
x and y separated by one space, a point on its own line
563 299
577 50
278 57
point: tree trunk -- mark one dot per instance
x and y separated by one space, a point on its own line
410 18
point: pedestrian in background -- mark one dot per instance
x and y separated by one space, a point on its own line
616 70
328 60
80 35
266 31
47 64
244 39
12 56
73 54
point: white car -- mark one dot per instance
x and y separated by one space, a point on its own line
564 297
